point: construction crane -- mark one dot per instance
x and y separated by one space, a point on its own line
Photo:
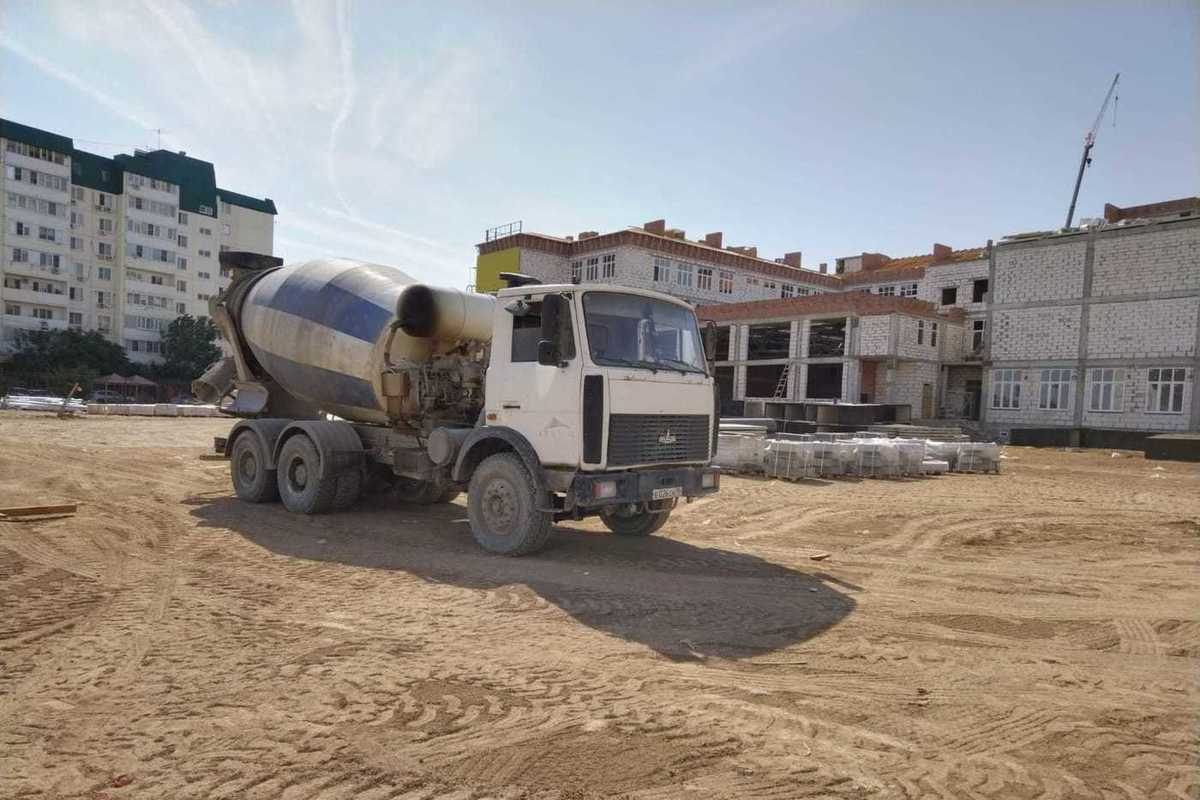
1088 142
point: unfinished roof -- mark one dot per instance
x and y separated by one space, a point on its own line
913 267
858 303
672 245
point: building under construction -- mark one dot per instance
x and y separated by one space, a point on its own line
1089 334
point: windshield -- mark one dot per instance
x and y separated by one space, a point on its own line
632 331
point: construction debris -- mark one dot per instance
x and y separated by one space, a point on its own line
14 513
56 405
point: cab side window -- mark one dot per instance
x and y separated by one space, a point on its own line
527 332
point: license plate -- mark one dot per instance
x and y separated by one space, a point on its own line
663 494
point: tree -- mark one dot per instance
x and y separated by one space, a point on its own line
63 358
189 346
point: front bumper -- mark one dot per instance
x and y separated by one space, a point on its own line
640 486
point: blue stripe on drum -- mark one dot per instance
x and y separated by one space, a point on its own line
321 385
378 283
330 305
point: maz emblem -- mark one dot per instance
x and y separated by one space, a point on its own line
667 438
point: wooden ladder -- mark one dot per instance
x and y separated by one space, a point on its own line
782 385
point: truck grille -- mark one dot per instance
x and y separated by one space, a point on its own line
635 438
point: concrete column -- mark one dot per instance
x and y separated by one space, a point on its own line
1082 355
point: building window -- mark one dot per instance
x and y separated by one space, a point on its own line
592 269
907 290
182 263
225 229
887 291
203 275
77 194
43 313
979 290
977 329
1054 393
920 331
181 308
949 295
183 218
104 273
181 241
1006 388
933 328
12 309
576 271
704 278
1106 389
683 274
786 290
1166 391
181 285
206 253
725 282
608 265
769 341
826 338
75 318
206 231
106 225
662 270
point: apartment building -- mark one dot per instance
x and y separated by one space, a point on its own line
1089 335
118 245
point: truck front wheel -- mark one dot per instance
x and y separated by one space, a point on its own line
252 481
301 487
503 509
625 522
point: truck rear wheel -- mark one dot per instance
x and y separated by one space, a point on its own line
252 481
301 487
624 522
502 504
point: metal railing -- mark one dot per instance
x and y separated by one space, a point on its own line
500 231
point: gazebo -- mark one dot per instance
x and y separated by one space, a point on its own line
136 386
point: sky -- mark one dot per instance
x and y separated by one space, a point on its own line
399 132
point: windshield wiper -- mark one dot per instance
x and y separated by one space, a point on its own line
614 361
685 366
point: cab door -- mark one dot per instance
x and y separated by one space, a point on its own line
539 401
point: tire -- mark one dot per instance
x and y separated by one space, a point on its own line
349 488
301 487
252 481
502 506
637 523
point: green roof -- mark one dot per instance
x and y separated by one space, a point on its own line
196 179
96 172
266 205
36 136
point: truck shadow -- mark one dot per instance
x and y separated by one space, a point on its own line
684 601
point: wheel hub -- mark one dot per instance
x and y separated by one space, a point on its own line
248 466
499 507
298 475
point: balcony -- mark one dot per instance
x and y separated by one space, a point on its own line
28 323
36 270
28 297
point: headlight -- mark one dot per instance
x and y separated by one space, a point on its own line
708 480
604 489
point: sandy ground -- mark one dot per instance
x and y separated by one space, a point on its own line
1030 635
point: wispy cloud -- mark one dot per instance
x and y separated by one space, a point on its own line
262 111
120 107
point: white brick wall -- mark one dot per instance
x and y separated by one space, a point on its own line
1036 333
1028 414
875 335
1147 329
1134 413
546 267
907 346
1029 274
961 276
1158 259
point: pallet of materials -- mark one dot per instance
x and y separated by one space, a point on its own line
19 402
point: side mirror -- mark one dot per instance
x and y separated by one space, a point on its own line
710 341
550 345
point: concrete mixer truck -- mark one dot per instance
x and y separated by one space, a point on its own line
542 403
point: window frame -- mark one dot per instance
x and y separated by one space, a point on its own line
1056 389
1116 383
1006 377
1155 386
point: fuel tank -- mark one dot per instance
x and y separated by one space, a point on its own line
327 330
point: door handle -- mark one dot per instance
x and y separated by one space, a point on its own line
510 405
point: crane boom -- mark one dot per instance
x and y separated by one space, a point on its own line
1088 142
